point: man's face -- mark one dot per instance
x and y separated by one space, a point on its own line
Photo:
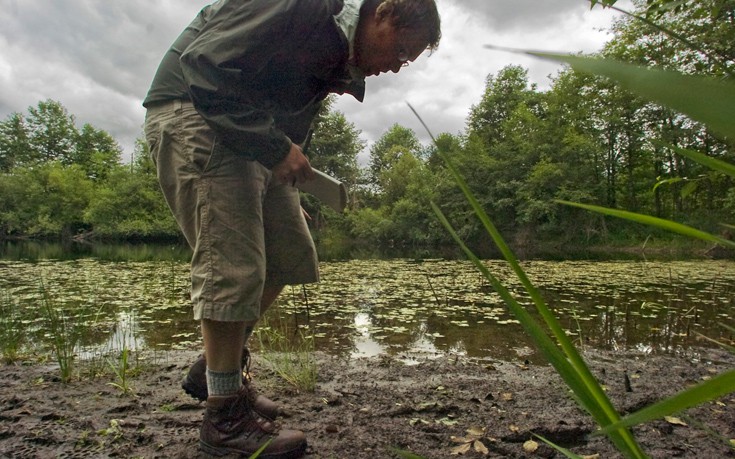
382 48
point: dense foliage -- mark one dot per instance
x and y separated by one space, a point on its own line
60 181
583 140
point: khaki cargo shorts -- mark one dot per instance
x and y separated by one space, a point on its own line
246 228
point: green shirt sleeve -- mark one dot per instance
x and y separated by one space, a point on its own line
230 51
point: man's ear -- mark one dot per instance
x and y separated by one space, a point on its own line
384 11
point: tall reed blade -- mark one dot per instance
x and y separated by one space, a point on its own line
569 364
716 387
654 221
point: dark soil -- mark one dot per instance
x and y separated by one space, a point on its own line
365 408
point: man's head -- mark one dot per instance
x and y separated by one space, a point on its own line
393 33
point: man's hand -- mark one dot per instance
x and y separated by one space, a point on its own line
294 168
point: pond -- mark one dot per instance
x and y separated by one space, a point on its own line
405 308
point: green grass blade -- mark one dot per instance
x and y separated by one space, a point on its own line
570 366
716 387
708 161
574 371
260 450
540 338
653 221
562 450
701 98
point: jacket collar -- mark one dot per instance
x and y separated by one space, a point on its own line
347 20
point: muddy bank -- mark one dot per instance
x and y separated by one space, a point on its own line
363 408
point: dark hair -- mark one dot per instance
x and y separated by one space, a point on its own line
418 15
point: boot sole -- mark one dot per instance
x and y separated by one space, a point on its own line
213 451
187 385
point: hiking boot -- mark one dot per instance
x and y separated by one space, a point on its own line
231 427
195 384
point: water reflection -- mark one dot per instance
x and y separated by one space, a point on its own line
403 308
363 343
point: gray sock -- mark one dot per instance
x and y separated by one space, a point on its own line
223 383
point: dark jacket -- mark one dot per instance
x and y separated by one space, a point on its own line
257 71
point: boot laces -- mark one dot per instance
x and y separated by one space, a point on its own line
246 362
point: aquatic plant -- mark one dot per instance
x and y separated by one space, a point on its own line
64 333
290 352
12 329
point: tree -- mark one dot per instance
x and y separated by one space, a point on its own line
15 146
52 133
335 146
146 213
96 152
389 148
503 94
705 31
46 200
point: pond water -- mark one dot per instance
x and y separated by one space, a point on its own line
406 308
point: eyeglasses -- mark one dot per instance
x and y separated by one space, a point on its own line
403 57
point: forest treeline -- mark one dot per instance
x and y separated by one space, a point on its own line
584 139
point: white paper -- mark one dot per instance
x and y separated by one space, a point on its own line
327 189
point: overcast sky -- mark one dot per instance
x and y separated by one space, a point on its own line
97 57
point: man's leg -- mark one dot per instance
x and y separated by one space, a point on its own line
270 294
214 195
223 342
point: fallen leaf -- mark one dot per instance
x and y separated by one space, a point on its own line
673 420
477 431
446 421
530 446
461 449
462 439
480 447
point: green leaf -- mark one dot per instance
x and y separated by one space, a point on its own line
701 158
569 364
561 449
670 181
716 387
688 189
654 221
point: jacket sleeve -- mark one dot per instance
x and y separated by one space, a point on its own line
236 41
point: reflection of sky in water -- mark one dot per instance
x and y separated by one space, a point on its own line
124 335
365 345
401 308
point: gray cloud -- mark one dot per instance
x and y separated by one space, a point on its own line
97 58
503 15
